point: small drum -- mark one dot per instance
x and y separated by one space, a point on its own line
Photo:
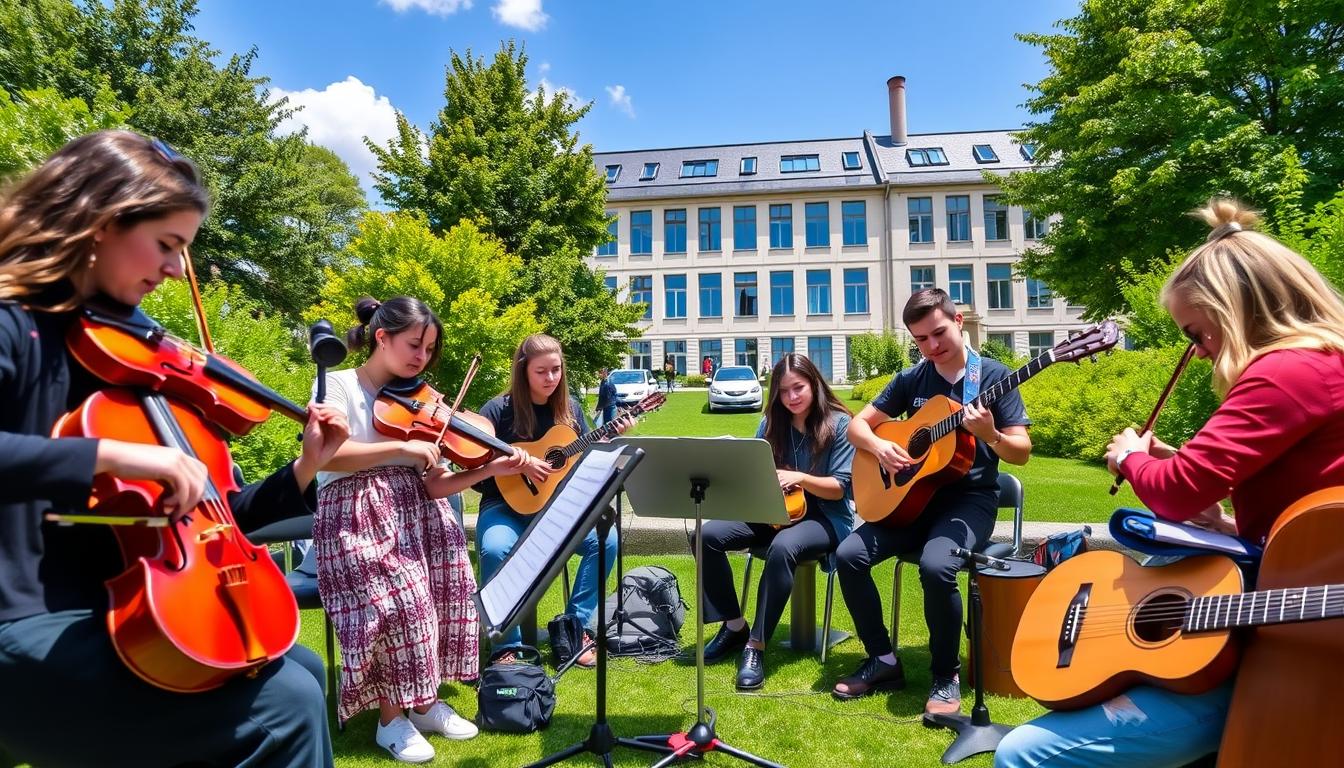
1003 597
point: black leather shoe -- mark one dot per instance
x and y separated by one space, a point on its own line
873 675
751 669
726 642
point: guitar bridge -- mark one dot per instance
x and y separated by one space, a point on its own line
1072 626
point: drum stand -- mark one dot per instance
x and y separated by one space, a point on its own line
976 733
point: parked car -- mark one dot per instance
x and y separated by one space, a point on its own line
734 386
632 385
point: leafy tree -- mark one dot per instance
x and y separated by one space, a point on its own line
509 160
461 276
40 122
997 350
874 355
1151 107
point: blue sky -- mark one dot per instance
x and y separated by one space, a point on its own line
658 74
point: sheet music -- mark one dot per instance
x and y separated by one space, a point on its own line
511 583
1189 536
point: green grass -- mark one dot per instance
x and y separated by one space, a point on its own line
793 720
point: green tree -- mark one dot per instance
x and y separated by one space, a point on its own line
461 276
876 355
509 160
37 123
1152 107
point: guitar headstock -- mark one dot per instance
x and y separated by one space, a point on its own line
652 402
1089 341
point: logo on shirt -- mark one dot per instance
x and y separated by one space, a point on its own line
920 401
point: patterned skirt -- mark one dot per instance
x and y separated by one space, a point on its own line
394 576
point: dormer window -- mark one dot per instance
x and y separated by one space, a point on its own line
1028 152
799 163
984 153
693 168
613 173
851 161
650 172
748 166
919 158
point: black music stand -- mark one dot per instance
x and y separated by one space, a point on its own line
746 488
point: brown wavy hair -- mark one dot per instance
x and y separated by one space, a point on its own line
49 218
819 430
524 422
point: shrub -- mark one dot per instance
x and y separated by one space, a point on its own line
873 355
694 380
868 389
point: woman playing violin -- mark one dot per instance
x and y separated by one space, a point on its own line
392 563
805 425
1274 331
110 215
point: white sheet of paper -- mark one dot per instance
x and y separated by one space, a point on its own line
1188 535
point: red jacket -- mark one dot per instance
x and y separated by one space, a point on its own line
1278 436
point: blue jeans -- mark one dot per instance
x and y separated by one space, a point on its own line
498 529
1145 726
608 414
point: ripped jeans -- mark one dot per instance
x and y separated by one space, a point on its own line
1144 727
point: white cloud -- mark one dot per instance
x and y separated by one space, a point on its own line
434 7
620 99
338 117
552 89
525 14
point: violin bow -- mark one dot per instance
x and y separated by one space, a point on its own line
201 327
1161 401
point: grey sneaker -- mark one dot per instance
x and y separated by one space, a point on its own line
944 696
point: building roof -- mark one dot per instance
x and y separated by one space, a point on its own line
880 161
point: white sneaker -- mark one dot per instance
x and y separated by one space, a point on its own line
404 742
444 720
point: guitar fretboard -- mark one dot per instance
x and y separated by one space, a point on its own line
988 396
1271 606
603 432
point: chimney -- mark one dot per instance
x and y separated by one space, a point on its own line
896 103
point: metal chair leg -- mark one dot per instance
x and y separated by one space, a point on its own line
826 618
746 585
896 608
333 683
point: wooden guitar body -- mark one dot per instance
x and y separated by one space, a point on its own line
897 499
527 500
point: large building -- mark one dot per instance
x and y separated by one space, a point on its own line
744 252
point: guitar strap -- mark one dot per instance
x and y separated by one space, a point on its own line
970 388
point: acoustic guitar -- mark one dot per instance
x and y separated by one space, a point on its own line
560 447
795 503
1100 623
941 452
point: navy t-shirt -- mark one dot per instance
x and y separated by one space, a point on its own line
500 413
911 388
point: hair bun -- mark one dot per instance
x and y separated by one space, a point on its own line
1227 216
365 307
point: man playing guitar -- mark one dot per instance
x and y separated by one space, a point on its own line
960 514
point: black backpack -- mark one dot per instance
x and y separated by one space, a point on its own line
517 697
654 613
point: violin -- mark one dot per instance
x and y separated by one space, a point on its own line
413 410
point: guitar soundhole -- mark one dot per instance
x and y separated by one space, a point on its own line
919 443
556 458
1160 617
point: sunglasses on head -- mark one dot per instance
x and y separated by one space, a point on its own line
165 151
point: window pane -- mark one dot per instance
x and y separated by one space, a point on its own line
958 218
921 219
711 295
674 230
781 293
818 292
856 291
959 285
781 226
1035 228
641 355
675 350
818 224
610 282
713 349
996 219
779 347
641 292
748 166
819 352
613 173
1038 295
921 278
710 238
674 296
1000 286
984 153
744 353
851 160
854 221
650 171
744 289
609 248
744 228
1038 343
641 232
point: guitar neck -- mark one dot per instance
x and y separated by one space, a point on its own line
1270 606
604 432
988 396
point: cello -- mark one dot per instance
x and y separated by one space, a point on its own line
198 603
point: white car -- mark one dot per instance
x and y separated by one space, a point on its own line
632 385
734 386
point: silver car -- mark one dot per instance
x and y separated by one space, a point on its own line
734 386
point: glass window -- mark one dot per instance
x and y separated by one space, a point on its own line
996 219
851 161
921 278
674 296
641 355
921 219
1028 152
744 227
1006 339
650 172
691 168
854 222
674 230
641 292
781 293
744 289
958 218
675 350
1039 295
713 349
819 352
1038 343
744 352
798 163
818 224
925 156
818 292
710 238
711 294
856 291
613 173
960 285
984 153
1035 228
609 248
1000 286
781 226
641 232
610 282
779 347
748 166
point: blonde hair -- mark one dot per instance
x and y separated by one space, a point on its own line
48 221
1262 295
524 421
